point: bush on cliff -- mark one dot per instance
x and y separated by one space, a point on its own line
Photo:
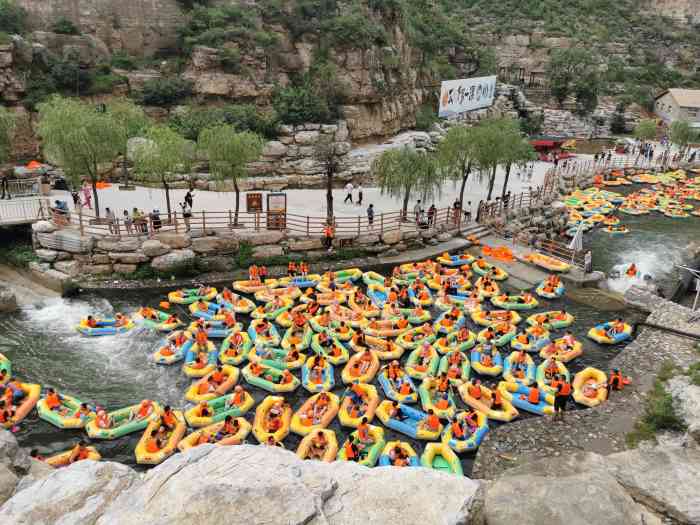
13 18
296 104
63 26
244 117
165 91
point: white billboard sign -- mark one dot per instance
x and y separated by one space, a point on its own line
466 94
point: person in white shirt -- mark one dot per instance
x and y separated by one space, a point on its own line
348 190
359 195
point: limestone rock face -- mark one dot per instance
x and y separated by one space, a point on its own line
687 397
173 260
77 494
154 248
262 237
43 227
175 240
252 484
8 300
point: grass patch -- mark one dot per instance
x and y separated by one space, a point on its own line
16 248
660 412
694 374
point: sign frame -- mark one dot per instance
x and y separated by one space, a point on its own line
466 94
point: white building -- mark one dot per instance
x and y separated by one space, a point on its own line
679 104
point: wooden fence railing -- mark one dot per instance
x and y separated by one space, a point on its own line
293 224
24 187
23 211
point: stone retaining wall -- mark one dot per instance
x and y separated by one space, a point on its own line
64 256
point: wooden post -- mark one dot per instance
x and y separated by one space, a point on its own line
118 228
204 222
175 218
230 219
381 224
80 220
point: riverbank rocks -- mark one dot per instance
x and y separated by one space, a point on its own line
268 250
154 248
45 255
257 238
8 300
392 237
77 494
130 244
687 398
175 240
175 260
205 245
43 227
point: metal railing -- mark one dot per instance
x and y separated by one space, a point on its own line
492 210
23 211
24 187
293 224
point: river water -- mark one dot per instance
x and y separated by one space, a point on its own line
117 371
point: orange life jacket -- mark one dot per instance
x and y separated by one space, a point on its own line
533 396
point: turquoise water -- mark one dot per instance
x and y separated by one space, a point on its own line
117 371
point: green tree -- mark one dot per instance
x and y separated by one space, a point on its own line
7 126
618 125
573 71
131 121
163 153
325 155
13 18
487 148
80 137
516 150
646 129
229 152
455 156
681 134
402 172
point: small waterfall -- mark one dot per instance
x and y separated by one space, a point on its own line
653 268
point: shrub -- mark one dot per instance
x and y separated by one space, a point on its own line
4 39
13 18
298 104
63 26
244 117
354 30
165 91
617 122
122 60
105 82
426 116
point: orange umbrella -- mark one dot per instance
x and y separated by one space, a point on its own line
34 165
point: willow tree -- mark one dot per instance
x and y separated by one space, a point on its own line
162 153
516 150
681 134
406 171
80 137
229 152
454 156
7 126
132 122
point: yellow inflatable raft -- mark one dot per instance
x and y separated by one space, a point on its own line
314 415
144 457
590 387
327 452
62 459
212 434
262 429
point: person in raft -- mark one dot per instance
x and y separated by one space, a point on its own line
54 401
144 410
154 443
318 447
615 381
431 422
79 452
398 457
632 270
617 327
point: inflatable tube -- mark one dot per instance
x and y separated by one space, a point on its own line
494 317
235 354
484 404
214 435
240 305
369 311
558 291
466 303
387 327
590 387
326 298
5 368
455 341
156 320
412 423
343 276
270 312
455 261
385 350
28 402
425 299
431 399
496 273
350 374
493 370
230 373
486 291
530 342
270 378
510 302
458 374
67 416
392 389
327 380
470 442
385 458
276 358
617 230
190 368
445 326
601 334
291 338
267 295
271 339
220 408
215 329
416 315
261 431
162 356
418 367
62 459
330 451
439 456
370 454
307 281
510 367
191 295
552 320
143 457
517 395
415 337
350 415
547 262
253 286
335 352
372 278
122 424
306 420
559 349
501 338
104 327
544 380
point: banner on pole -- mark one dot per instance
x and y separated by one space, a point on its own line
466 94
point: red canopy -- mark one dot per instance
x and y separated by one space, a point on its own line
34 165
543 143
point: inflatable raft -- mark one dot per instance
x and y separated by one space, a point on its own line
261 429
502 335
439 456
468 442
122 422
307 419
270 379
601 334
484 403
517 394
493 369
443 405
143 457
392 389
419 367
544 379
230 374
165 356
457 374
411 456
411 424
157 320
514 302
551 320
219 408
547 262
351 415
335 352
235 353
67 416
370 453
27 403
62 459
561 350
590 387
104 327
213 435
331 448
313 385
191 369
351 373
527 369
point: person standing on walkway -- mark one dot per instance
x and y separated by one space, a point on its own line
186 214
561 396
111 220
5 186
87 196
128 223
468 211
359 194
431 215
348 193
588 262
416 210
328 235
189 199
370 215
